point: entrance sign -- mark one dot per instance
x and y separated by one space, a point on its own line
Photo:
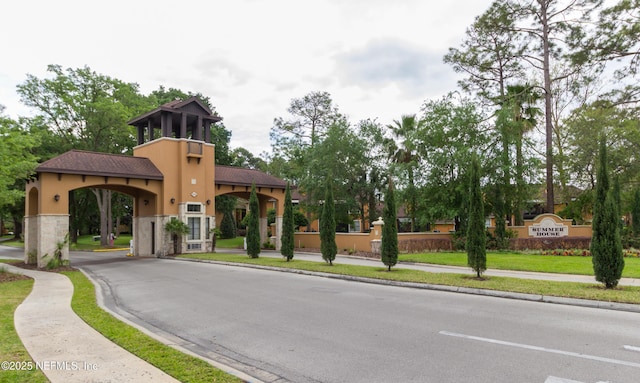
547 228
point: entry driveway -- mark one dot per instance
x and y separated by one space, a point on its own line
288 327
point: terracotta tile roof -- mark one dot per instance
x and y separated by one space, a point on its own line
232 175
101 164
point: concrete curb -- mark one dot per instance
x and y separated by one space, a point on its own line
168 340
453 289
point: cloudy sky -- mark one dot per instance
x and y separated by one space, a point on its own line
377 59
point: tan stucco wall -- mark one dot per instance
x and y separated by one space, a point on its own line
348 241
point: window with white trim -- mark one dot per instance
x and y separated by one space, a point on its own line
194 228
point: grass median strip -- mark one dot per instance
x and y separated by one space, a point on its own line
523 262
181 366
622 294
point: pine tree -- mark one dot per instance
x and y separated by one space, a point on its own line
476 237
606 243
389 245
328 245
253 227
288 241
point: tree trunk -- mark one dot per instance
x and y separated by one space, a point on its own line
544 8
17 227
102 197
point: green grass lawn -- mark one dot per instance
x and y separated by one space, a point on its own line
523 262
11 348
85 243
622 294
233 243
181 366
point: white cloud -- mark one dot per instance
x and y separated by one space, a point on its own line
376 58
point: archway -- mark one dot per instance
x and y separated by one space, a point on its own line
47 199
269 189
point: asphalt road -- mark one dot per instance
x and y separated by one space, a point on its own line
288 327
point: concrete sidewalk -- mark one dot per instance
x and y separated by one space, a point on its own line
65 348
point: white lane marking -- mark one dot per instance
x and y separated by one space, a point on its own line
543 349
555 379
632 348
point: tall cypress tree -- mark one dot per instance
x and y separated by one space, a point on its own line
328 245
476 238
389 245
288 242
606 244
253 227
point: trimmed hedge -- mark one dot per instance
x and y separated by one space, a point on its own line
549 243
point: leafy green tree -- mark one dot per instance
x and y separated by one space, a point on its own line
17 150
243 158
177 229
295 137
617 200
620 125
227 226
18 162
606 244
451 132
253 226
299 218
389 244
226 205
288 230
476 238
341 156
614 41
635 213
328 245
85 110
499 213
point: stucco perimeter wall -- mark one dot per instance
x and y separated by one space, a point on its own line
42 235
348 241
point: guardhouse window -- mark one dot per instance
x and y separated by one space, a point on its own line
193 208
194 228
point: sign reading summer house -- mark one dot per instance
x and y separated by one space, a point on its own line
548 227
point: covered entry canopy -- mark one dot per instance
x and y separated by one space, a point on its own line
270 190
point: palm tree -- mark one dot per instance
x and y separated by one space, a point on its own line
177 229
405 154
521 112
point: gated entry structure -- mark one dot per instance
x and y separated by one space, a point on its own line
172 174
